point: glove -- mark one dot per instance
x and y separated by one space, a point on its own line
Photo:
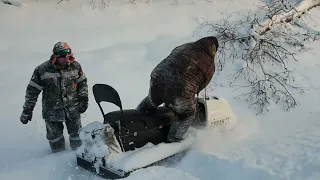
83 105
26 116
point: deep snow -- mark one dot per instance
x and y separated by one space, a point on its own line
119 46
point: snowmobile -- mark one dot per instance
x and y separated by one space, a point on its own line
128 139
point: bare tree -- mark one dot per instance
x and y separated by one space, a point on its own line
266 50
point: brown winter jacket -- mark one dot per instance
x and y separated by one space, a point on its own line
189 68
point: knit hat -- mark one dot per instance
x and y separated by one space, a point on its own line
61 49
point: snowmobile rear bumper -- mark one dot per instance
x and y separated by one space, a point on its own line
106 172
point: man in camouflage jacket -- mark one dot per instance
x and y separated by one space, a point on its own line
178 78
64 96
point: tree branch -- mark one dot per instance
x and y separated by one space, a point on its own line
287 16
266 56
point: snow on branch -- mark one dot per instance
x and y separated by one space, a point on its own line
286 14
266 57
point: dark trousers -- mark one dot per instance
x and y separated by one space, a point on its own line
184 107
55 134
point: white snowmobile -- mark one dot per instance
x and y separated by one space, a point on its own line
121 144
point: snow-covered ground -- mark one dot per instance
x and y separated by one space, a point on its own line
119 45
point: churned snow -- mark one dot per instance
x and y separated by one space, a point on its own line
119 45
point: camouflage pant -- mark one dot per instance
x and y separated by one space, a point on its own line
55 134
184 107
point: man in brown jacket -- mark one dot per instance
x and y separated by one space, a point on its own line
178 78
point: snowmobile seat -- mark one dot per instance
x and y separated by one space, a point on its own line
134 129
133 120
137 128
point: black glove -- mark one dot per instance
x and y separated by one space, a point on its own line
26 116
83 105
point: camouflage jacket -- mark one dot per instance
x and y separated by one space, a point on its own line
189 67
62 89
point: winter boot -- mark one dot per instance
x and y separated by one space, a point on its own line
172 139
75 142
58 145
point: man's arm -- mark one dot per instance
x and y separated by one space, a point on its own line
82 84
82 90
33 90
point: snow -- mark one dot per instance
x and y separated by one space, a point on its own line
119 45
154 173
